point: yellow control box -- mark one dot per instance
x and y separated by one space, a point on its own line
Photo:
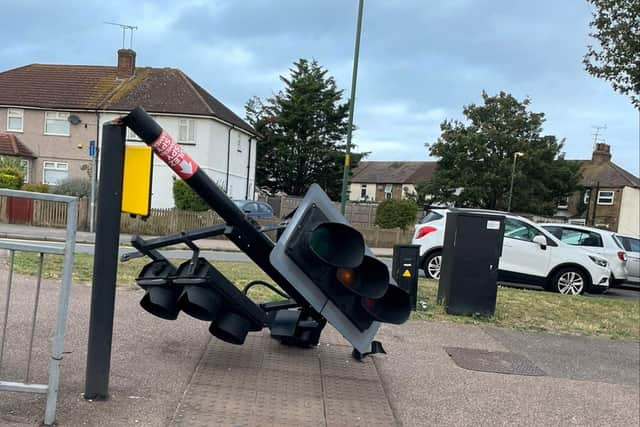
136 184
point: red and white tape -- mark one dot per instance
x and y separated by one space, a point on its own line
174 156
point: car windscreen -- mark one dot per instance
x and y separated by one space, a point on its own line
430 216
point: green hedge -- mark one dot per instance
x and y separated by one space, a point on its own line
11 177
186 199
36 188
396 213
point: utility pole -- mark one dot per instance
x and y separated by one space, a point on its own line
352 101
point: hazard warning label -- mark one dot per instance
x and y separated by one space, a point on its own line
406 273
174 156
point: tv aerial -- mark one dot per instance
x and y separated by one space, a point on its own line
124 27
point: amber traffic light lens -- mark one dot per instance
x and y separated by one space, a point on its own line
346 276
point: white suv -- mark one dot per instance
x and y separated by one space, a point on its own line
597 241
530 255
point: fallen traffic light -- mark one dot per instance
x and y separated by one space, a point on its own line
329 264
210 296
161 296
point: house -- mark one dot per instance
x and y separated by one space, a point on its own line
610 195
54 111
377 181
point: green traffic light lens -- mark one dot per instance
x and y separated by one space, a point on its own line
337 245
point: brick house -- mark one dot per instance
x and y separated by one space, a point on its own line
377 181
610 197
55 110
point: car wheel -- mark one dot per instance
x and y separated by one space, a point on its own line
569 281
432 265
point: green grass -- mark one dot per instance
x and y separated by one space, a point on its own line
516 308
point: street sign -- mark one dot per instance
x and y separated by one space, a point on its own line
92 148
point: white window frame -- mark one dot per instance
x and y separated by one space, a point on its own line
563 203
59 115
190 131
585 198
26 167
13 113
388 191
365 195
602 196
579 221
55 166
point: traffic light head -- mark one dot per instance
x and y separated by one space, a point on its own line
161 296
329 264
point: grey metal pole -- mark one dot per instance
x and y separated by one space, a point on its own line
352 101
513 172
105 267
92 201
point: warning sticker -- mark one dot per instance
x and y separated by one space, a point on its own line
406 274
174 156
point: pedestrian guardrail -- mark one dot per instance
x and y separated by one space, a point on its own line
67 251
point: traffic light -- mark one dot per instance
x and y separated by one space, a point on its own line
329 264
201 291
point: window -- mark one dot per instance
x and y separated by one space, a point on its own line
585 198
54 173
239 144
430 216
264 208
563 202
605 198
388 191
576 237
629 243
187 131
56 123
15 120
363 192
25 170
578 221
515 229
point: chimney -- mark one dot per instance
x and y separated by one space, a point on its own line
601 154
126 63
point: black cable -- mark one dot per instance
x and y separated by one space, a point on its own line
265 284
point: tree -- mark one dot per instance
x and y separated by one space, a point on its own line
187 199
616 26
303 128
476 159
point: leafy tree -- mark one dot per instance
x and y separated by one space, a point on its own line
396 213
476 159
11 173
79 187
420 194
303 128
187 199
616 26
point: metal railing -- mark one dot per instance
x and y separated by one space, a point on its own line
51 388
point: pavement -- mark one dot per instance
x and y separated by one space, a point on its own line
172 373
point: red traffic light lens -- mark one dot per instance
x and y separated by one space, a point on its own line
393 307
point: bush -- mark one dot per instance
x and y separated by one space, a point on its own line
11 177
36 188
396 213
187 199
78 187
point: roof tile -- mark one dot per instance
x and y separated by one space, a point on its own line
10 145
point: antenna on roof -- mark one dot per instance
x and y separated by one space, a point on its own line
597 134
124 27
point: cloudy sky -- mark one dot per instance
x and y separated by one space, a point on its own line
420 61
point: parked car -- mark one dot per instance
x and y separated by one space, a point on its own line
530 255
632 246
597 241
254 209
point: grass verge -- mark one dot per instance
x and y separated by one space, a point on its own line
516 308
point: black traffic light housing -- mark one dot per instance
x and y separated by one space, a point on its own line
330 265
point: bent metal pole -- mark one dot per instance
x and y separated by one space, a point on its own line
244 234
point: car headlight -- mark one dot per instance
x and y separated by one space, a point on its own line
601 262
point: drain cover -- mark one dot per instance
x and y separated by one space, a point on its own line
493 361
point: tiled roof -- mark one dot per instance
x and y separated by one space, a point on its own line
158 90
607 174
393 172
10 145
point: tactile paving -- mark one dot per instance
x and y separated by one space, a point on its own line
264 383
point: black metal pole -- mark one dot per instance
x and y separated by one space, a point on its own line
245 236
105 265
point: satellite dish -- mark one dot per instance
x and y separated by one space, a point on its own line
74 120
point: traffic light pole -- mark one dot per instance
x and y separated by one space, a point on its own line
105 267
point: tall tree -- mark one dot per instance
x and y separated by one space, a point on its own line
616 27
303 128
476 159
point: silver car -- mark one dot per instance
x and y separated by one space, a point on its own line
632 246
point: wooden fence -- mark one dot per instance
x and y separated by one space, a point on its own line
358 214
42 213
